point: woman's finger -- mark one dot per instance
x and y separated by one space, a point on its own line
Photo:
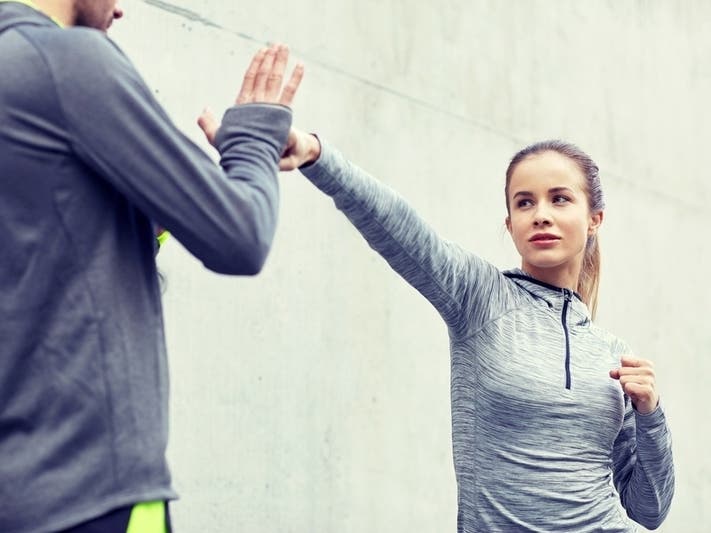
288 163
638 380
637 371
632 361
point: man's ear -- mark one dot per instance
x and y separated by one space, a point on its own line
595 222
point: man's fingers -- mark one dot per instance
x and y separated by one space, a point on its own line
247 89
265 69
276 76
287 95
208 124
264 78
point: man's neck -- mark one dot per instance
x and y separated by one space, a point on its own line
61 11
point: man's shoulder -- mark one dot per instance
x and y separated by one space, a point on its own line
78 60
81 43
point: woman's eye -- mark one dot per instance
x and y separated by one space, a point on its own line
560 199
524 203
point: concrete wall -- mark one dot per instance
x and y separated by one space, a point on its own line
315 397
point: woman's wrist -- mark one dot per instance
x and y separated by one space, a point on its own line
313 149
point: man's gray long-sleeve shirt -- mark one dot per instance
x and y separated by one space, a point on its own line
543 439
88 162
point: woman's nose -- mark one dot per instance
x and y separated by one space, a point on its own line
541 217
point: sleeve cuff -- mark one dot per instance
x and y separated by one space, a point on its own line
651 421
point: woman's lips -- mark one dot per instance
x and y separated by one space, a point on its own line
544 239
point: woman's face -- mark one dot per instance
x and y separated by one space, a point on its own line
549 217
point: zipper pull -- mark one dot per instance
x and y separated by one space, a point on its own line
567 293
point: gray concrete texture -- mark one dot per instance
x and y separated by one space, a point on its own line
315 397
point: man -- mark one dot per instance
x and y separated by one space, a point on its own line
89 164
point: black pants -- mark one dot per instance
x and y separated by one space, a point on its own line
114 522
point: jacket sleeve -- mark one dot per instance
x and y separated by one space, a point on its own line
225 215
440 270
643 470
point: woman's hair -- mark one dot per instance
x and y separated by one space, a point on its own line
589 279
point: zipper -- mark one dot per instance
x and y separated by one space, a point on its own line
564 318
568 296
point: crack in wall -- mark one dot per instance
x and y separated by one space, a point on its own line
192 16
184 13
196 17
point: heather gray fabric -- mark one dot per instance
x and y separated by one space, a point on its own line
541 434
88 161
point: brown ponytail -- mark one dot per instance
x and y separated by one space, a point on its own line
589 280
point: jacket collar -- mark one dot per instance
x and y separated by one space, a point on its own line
553 296
22 13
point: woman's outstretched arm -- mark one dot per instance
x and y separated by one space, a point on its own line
443 272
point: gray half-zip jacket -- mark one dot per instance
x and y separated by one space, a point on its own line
543 439
88 161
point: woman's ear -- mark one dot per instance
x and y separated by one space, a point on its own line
595 221
507 221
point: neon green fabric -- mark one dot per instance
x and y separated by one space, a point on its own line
164 235
31 4
148 517
26 2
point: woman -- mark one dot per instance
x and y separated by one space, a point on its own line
553 423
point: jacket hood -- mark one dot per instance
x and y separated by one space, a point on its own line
14 14
553 296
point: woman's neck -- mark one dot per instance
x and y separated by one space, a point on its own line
564 276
